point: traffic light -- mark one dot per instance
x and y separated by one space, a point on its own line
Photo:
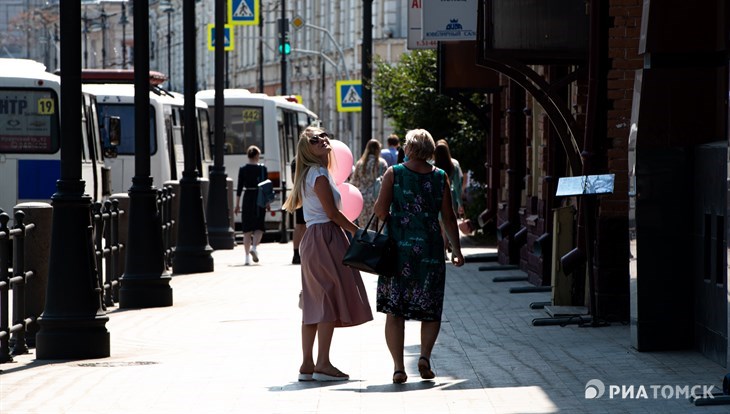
284 45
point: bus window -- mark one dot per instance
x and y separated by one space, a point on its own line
84 132
95 141
170 146
243 127
32 124
177 133
126 116
204 133
288 134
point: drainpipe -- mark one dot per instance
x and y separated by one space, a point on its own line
595 120
515 172
493 161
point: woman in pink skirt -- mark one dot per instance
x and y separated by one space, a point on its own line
333 295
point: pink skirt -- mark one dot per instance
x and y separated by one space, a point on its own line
331 291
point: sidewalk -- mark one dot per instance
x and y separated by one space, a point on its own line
231 344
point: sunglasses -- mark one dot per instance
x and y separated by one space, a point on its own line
320 137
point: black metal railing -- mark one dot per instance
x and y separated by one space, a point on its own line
105 219
13 276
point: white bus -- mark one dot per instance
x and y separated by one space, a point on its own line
30 138
271 123
114 92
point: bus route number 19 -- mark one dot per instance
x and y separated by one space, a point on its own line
46 106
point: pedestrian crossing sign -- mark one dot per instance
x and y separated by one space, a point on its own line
243 12
227 37
349 96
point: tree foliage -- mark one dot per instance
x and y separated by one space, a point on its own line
408 93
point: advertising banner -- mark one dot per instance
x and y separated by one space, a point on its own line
445 20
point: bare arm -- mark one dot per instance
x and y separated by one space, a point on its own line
449 221
385 197
326 197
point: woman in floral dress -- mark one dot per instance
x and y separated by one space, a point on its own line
411 197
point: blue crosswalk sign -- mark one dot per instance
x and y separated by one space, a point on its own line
243 12
227 37
349 96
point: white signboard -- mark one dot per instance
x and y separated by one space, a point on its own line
415 36
445 20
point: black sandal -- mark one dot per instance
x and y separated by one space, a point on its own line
399 380
425 370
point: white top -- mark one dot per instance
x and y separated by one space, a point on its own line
313 211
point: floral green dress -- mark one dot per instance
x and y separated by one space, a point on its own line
417 292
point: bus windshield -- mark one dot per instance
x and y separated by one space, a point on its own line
244 126
29 121
125 112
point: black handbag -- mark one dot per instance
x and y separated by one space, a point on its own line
372 251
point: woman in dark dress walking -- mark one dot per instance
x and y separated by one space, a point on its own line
252 216
412 196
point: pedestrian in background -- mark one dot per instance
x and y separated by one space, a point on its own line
442 159
390 154
333 295
299 226
411 198
457 166
252 215
368 171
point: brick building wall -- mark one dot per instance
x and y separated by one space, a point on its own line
611 156
612 253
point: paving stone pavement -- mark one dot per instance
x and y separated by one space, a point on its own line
231 344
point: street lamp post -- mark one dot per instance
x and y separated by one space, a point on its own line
73 323
124 22
145 282
284 90
103 17
86 39
366 123
220 233
168 9
192 254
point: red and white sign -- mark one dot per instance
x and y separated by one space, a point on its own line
415 35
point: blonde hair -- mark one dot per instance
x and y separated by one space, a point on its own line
419 144
372 148
305 160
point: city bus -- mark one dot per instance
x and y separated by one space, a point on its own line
30 136
272 123
114 91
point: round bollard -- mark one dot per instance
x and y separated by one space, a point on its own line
37 251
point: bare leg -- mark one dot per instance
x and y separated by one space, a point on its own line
325 330
257 236
309 332
429 333
247 242
394 337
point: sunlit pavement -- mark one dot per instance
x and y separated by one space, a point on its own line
230 344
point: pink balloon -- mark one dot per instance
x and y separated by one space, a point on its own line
351 200
343 160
